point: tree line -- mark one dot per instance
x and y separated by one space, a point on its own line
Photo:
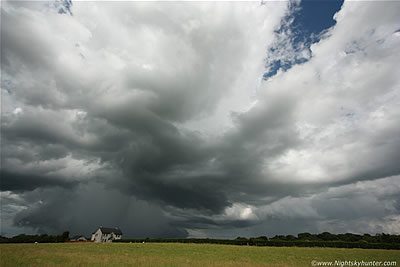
325 239
348 237
348 240
43 238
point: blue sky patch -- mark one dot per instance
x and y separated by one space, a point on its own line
301 28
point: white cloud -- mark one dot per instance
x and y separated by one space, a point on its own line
17 111
240 211
369 206
346 100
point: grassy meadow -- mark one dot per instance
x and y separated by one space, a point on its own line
175 254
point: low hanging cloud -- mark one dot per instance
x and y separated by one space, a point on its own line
154 117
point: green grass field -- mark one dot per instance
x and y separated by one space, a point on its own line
170 254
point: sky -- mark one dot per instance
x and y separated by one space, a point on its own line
200 119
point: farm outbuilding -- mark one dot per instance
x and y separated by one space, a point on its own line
106 234
79 238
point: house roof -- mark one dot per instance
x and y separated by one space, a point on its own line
107 230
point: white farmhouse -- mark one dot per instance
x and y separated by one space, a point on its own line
105 234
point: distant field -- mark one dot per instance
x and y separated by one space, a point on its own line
174 254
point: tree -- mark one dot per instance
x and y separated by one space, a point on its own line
306 236
65 236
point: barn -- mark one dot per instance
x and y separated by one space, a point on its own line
106 234
78 238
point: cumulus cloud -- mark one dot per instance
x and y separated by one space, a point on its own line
154 117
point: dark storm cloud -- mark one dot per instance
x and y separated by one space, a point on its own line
17 182
125 136
181 169
200 193
49 212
